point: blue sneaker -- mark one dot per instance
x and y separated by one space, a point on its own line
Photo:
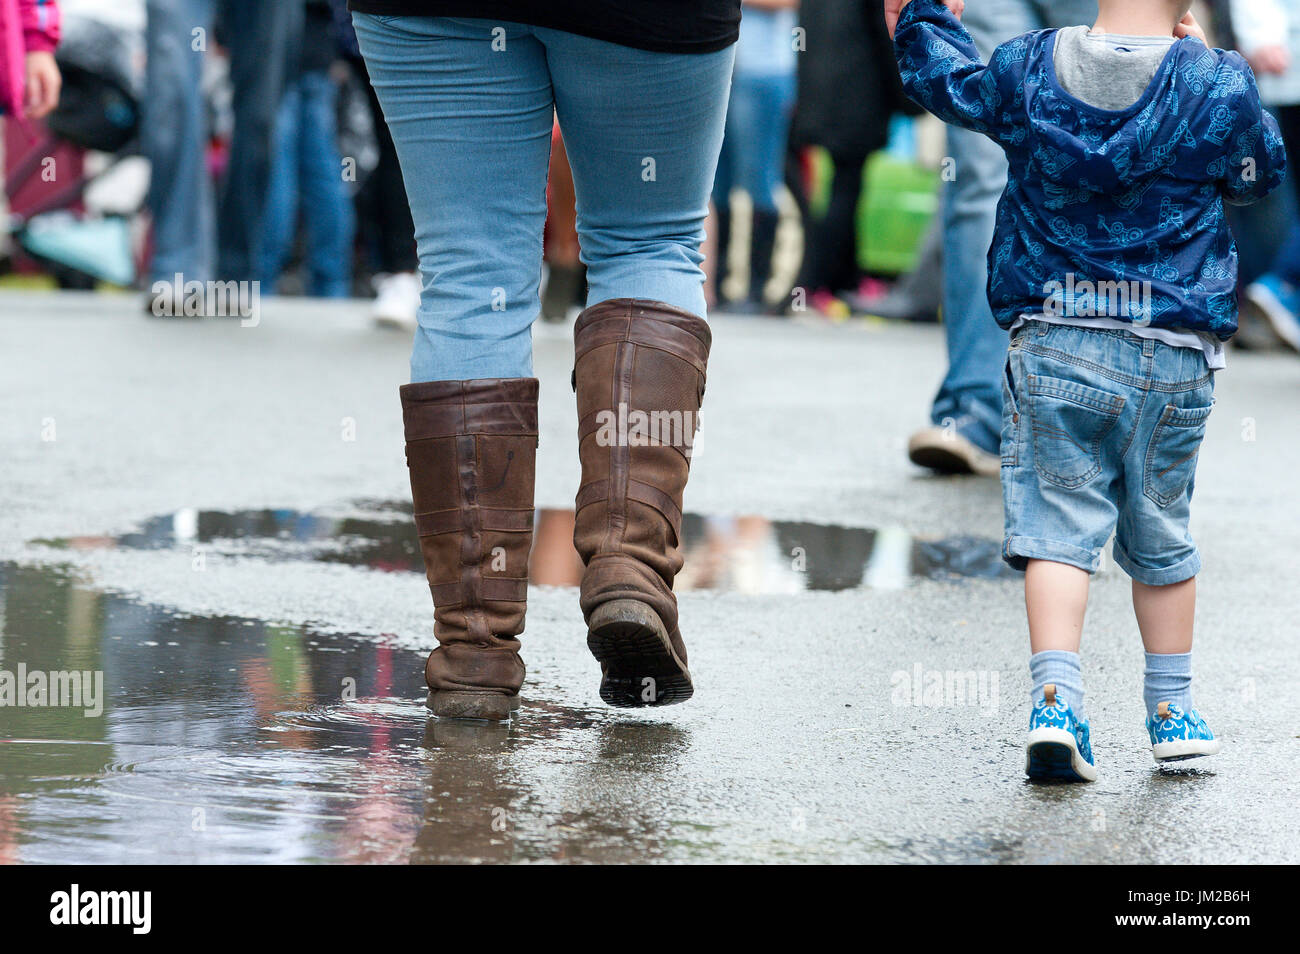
1058 746
1280 302
1176 735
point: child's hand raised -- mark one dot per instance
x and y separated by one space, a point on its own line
43 82
1188 26
894 8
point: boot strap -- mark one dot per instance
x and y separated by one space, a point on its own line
495 589
598 491
494 519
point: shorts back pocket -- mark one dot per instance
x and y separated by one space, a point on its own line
1172 452
1069 422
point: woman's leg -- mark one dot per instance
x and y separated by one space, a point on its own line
281 213
327 208
470 114
724 180
643 132
761 166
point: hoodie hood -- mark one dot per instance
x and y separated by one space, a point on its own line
1075 145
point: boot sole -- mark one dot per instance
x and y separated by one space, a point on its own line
483 706
638 665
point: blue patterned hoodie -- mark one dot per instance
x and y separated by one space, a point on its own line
1133 196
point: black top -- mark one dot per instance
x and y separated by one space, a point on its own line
664 26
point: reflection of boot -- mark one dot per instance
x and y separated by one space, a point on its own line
470 448
634 359
761 242
468 797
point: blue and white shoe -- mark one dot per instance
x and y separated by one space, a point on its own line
1280 302
1176 735
1058 747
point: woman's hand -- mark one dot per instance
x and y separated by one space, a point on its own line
894 9
1188 26
1274 58
43 84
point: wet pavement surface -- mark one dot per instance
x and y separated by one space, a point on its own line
740 554
243 577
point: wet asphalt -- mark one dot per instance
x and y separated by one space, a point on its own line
212 516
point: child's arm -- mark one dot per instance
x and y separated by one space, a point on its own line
40 24
1256 160
39 20
941 68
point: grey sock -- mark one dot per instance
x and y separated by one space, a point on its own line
1061 669
1168 678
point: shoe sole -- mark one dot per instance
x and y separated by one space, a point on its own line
395 323
1279 316
951 455
480 706
638 665
1181 749
1053 754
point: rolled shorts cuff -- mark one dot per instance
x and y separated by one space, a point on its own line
1184 569
1018 551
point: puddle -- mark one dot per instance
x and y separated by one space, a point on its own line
738 554
221 739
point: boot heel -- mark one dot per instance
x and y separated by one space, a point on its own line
637 662
490 706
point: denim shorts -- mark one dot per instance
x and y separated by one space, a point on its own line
1100 434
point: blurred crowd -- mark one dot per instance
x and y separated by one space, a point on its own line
221 140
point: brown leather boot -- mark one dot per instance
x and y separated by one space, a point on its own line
471 448
639 375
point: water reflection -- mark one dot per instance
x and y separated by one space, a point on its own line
745 554
229 740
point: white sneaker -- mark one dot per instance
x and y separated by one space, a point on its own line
397 300
948 451
1279 301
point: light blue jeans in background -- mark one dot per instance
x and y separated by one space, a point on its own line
977 347
196 234
753 152
307 180
470 104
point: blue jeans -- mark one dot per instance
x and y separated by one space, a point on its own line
187 228
976 345
470 106
1100 434
753 150
306 175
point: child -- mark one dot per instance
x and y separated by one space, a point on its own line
29 78
1114 270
